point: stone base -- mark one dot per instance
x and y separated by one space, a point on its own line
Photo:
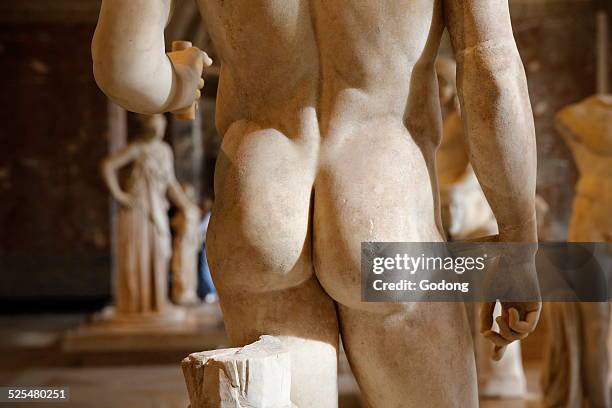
178 329
256 375
504 389
108 319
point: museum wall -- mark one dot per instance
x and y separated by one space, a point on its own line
54 211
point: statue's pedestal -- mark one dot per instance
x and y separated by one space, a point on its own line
178 329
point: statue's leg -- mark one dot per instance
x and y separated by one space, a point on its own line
419 356
595 318
160 268
376 187
259 247
561 377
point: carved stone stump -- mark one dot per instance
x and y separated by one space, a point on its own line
257 375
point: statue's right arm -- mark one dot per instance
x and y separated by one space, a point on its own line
111 165
130 63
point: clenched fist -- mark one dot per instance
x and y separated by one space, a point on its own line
188 65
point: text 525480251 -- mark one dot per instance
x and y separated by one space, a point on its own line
29 394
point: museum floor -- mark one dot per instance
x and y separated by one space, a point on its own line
32 353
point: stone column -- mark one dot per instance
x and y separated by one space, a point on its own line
117 139
186 139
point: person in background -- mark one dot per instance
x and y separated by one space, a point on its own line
206 288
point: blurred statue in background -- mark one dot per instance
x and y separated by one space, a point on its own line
586 128
466 214
186 245
144 245
576 370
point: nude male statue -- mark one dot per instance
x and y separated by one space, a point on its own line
330 119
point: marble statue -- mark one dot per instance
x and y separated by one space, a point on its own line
576 369
467 215
144 244
330 118
185 247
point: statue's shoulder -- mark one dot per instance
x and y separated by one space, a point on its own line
590 123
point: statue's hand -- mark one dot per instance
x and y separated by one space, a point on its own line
188 65
513 281
517 321
125 199
192 212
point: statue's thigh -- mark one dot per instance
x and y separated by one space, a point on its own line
258 245
403 355
421 355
